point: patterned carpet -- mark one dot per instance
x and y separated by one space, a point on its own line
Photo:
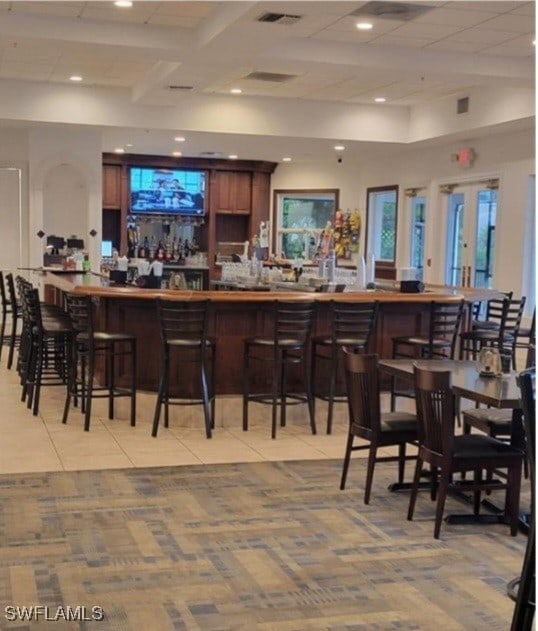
263 546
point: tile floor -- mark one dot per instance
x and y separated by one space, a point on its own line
42 443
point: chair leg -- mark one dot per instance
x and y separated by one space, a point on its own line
38 378
2 332
441 498
477 494
110 357
372 453
89 392
333 368
12 340
401 462
205 394
512 496
133 383
309 398
414 489
282 387
246 372
347 458
163 385
277 368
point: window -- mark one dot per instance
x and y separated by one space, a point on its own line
382 204
418 233
301 216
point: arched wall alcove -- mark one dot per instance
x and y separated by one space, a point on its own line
65 201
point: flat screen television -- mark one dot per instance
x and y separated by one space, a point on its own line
171 191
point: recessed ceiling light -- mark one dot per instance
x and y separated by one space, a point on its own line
339 147
232 156
179 139
380 99
129 144
119 150
364 26
177 154
75 77
286 159
236 91
123 4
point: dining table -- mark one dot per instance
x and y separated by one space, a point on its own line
499 391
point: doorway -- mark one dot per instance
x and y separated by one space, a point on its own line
471 222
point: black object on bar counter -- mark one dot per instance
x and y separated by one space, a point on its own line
411 286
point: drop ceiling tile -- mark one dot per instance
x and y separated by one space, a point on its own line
349 23
481 36
493 6
525 8
430 31
186 9
24 71
510 22
509 50
451 46
351 37
183 21
59 9
454 17
404 42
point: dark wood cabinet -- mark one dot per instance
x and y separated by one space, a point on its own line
232 192
112 186
238 198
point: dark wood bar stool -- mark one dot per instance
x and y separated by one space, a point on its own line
438 343
289 344
351 325
87 347
501 333
12 306
183 326
47 348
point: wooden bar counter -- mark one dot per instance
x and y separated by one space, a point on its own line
239 314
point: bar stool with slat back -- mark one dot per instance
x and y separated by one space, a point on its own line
183 326
89 345
501 332
351 325
289 344
13 309
438 343
47 348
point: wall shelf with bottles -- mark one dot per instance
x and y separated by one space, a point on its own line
236 201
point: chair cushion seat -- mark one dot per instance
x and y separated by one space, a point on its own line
268 342
101 336
398 422
479 446
422 341
327 340
186 342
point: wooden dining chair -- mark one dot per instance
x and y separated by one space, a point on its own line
447 453
367 422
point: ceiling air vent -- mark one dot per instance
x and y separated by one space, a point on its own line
279 18
462 106
274 77
211 154
185 88
402 11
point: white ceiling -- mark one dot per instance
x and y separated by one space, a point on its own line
452 49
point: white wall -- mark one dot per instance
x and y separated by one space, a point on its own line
510 157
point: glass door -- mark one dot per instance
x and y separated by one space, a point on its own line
471 220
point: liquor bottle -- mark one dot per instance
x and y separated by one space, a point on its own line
361 273
152 247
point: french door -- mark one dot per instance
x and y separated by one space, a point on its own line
471 219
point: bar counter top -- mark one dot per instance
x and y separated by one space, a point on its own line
235 315
99 286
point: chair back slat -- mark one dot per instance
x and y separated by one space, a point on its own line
354 321
80 311
12 294
435 410
293 321
445 320
362 382
183 319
